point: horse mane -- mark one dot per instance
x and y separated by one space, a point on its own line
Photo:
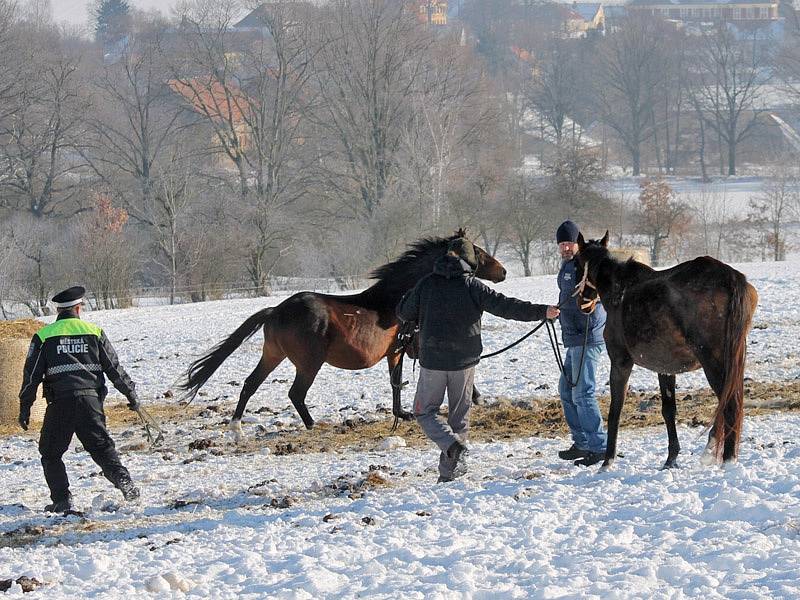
400 275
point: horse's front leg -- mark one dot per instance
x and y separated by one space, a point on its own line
666 383
620 372
396 379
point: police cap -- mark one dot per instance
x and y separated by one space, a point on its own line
69 297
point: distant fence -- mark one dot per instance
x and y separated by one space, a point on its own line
15 306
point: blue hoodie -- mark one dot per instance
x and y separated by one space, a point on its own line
573 321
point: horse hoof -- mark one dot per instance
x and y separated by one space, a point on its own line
236 429
407 416
708 458
670 464
309 426
605 467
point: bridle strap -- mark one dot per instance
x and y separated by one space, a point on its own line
581 286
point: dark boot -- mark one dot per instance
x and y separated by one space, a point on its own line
61 506
572 453
129 491
458 453
591 458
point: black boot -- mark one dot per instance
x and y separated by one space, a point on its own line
572 453
129 491
61 506
458 453
591 458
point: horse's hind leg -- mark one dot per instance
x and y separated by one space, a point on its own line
715 374
265 366
298 391
668 410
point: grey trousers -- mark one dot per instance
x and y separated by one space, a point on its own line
427 401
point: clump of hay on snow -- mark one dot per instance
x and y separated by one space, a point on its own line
15 337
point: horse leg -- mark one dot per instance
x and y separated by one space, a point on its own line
715 374
297 393
265 366
620 373
668 410
476 395
393 360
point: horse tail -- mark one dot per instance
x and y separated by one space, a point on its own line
204 367
730 410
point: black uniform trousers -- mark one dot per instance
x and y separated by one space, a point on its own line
80 413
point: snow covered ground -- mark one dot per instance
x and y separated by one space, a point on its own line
222 524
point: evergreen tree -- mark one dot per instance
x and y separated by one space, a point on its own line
111 19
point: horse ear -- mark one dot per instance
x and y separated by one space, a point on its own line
581 242
604 241
461 232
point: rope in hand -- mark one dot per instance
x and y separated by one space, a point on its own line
150 426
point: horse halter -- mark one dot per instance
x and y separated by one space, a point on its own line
581 286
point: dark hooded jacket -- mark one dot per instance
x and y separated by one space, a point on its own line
573 321
447 305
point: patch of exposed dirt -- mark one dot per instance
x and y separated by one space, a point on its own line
508 419
505 419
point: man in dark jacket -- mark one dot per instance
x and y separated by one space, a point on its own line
70 357
447 305
578 388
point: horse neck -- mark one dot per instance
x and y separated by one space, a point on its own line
613 277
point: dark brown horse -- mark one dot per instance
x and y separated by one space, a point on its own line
694 315
348 332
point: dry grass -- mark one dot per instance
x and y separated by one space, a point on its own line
503 420
22 329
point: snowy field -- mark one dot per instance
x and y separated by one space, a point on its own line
521 524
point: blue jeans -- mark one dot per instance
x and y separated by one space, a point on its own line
580 403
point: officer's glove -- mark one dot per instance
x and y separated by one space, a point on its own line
24 418
133 404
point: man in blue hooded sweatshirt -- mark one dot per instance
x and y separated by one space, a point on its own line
578 388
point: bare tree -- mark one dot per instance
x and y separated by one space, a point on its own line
631 62
372 56
728 87
711 210
252 91
771 210
556 87
43 126
137 120
525 210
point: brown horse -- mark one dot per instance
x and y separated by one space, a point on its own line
694 315
348 332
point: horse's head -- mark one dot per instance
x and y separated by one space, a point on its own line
590 255
488 267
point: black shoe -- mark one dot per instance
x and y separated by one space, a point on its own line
572 453
61 506
591 458
129 491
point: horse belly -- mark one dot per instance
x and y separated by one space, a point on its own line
361 343
665 355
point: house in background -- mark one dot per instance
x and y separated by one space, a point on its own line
432 12
739 12
586 18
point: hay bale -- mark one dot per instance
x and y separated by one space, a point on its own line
638 253
15 337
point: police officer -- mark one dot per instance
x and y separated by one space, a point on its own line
70 356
